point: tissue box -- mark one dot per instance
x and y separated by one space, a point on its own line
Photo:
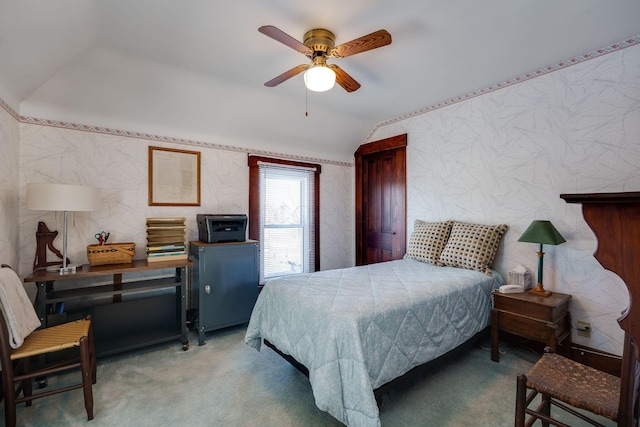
520 279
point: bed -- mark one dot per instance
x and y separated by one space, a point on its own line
358 328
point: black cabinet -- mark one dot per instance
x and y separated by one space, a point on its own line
225 283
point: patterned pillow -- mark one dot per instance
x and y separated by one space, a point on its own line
427 240
472 246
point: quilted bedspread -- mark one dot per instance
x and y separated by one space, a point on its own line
358 328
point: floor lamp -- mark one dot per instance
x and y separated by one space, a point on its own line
65 198
542 232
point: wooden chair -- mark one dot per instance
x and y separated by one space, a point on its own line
73 343
564 383
567 384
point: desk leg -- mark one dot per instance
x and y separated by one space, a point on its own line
41 311
40 305
495 328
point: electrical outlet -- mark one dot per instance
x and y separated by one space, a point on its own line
584 329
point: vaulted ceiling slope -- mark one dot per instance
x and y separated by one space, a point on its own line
196 69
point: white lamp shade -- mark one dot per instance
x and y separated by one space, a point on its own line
62 197
319 78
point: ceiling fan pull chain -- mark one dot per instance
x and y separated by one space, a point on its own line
306 102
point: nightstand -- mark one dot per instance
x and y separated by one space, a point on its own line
542 319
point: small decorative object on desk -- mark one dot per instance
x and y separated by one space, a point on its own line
102 237
111 253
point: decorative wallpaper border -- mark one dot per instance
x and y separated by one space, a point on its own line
159 138
9 110
170 139
528 76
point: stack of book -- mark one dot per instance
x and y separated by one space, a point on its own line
166 239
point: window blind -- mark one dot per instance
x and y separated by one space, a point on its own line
287 223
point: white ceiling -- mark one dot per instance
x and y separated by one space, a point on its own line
195 69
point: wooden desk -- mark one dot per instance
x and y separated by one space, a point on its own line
126 314
542 319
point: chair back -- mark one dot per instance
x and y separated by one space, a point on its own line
630 383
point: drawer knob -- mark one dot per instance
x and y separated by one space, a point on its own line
207 289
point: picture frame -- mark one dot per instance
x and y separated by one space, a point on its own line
174 177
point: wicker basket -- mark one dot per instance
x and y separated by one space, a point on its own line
111 253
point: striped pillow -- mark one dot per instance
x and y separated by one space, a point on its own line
427 240
472 246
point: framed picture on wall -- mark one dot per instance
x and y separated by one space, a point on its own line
174 177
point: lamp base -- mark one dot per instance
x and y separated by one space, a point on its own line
71 268
540 291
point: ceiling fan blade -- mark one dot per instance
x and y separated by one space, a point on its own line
362 44
286 75
284 38
345 80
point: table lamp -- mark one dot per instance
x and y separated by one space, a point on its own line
65 198
542 232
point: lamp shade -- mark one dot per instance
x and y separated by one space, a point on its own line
319 78
542 232
62 197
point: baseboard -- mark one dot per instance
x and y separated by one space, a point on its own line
597 359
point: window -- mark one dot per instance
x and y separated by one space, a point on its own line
283 215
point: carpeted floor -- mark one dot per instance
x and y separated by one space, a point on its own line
227 383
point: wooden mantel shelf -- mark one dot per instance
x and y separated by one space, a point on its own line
629 197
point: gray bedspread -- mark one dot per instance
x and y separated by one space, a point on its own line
358 328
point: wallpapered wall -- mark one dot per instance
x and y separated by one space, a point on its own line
9 185
118 166
506 156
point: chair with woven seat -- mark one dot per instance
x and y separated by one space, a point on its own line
560 380
21 346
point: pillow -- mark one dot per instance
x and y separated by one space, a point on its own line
427 240
472 246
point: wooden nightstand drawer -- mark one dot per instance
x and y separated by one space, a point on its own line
534 329
547 309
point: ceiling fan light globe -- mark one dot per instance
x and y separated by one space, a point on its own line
319 78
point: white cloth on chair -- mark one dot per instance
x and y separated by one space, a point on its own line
16 308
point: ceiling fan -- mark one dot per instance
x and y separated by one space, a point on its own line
319 45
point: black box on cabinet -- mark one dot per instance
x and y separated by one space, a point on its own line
221 228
